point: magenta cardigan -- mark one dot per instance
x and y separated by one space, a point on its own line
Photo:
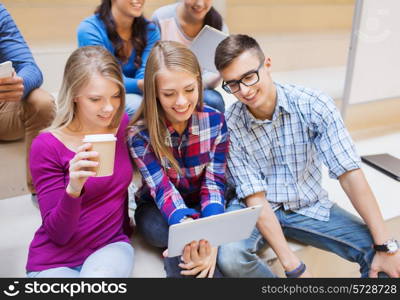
73 228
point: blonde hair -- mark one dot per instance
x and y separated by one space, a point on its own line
173 56
81 66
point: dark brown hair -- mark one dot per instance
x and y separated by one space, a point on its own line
138 37
233 46
213 19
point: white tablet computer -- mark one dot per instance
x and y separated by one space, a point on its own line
204 46
217 230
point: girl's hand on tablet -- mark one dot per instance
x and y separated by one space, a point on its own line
200 259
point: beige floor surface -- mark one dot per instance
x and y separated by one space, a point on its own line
19 219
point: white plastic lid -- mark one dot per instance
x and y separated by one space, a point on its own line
93 138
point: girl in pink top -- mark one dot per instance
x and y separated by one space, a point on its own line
83 217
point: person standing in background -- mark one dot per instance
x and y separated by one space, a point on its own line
119 26
25 109
182 22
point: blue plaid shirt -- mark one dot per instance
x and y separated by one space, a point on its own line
282 157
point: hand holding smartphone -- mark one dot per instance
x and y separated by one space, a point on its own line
6 69
11 86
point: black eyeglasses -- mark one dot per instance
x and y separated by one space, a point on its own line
248 79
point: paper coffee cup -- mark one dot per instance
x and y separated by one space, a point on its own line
104 144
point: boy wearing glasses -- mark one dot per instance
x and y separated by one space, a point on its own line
279 135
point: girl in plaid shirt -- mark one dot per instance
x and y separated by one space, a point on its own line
180 147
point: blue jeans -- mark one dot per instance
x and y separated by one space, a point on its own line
214 99
132 103
113 260
344 234
152 225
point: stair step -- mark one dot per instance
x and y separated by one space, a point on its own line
55 21
292 51
42 21
276 16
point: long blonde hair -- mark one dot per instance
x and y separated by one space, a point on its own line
173 56
81 66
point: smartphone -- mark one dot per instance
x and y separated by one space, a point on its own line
6 69
385 163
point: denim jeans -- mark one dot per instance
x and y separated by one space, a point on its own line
152 225
132 103
214 99
344 234
113 260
